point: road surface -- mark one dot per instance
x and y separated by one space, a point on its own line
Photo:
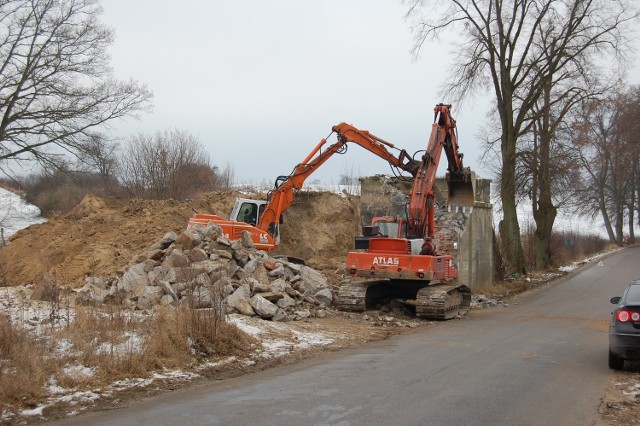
542 361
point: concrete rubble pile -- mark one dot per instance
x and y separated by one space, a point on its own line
206 270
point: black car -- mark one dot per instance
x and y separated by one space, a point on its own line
624 327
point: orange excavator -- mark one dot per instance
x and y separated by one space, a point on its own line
398 266
401 263
262 219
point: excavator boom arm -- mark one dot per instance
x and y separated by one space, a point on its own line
443 137
282 196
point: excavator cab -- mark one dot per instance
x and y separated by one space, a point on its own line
247 210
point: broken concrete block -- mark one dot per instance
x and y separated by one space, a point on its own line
273 297
250 266
241 255
175 259
247 242
278 285
197 254
208 266
285 302
167 239
324 296
188 239
261 274
166 300
263 307
239 300
302 314
277 272
312 281
224 254
209 230
166 286
281 316
201 298
134 280
155 254
149 297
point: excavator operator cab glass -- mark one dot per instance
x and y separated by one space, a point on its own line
387 229
248 213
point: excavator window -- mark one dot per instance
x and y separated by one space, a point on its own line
388 229
248 213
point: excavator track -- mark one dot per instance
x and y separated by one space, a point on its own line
437 301
359 296
443 301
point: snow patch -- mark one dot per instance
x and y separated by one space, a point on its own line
16 213
79 371
133 344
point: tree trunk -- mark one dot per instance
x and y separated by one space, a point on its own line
619 224
632 235
544 213
605 218
545 217
638 197
509 227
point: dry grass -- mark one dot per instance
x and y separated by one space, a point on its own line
179 335
104 344
23 373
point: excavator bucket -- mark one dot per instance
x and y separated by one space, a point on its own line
462 189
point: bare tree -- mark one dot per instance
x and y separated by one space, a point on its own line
607 162
225 178
629 128
56 85
169 164
502 50
98 155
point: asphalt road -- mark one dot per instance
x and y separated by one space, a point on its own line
542 361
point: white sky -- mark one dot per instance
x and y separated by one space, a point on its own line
259 83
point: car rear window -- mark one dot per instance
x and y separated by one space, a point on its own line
633 294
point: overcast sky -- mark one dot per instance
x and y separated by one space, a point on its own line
259 83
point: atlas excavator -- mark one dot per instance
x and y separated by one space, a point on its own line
397 266
401 263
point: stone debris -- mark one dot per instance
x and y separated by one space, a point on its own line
480 301
206 270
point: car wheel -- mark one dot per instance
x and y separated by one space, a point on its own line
615 362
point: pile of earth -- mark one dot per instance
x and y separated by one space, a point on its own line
102 236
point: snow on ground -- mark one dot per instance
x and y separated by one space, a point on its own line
277 340
576 265
288 340
34 316
310 187
16 214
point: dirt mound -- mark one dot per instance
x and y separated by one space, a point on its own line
101 236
